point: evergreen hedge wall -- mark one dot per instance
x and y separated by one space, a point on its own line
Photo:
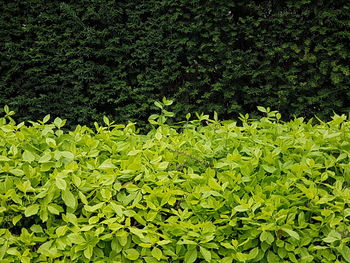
82 59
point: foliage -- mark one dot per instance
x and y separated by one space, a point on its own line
84 59
202 190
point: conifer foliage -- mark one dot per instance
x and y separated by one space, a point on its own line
84 59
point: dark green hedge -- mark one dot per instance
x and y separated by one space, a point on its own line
82 59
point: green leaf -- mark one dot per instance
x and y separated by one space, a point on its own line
13 251
71 218
214 184
205 253
31 210
94 207
227 260
269 169
191 255
6 109
51 142
332 237
61 230
122 236
153 117
69 198
272 257
345 252
282 252
27 156
88 251
253 253
4 158
48 249
131 254
46 118
76 238
242 257
137 232
267 237
167 102
118 209
53 210
67 155
45 158
156 160
157 253
158 136
291 233
107 164
61 183
158 104
240 208
106 120
134 152
58 122
16 219
17 172
76 180
262 109
162 165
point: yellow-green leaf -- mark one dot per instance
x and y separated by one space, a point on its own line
291 233
68 198
67 155
131 254
205 253
45 158
157 253
191 255
27 156
61 183
345 252
4 158
31 210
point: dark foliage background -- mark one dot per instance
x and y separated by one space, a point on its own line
83 59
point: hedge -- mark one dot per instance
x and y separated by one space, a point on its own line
84 59
203 191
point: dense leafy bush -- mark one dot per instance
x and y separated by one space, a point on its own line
83 59
205 191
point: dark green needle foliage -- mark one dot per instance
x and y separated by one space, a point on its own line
83 59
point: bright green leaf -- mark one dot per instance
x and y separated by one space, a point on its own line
45 158
345 252
191 255
272 257
46 118
61 183
31 210
4 158
291 233
131 254
69 198
67 155
205 253
241 208
106 120
88 251
157 253
28 156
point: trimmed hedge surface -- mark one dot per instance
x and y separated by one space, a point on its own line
84 59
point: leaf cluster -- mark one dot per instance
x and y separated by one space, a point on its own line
211 191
